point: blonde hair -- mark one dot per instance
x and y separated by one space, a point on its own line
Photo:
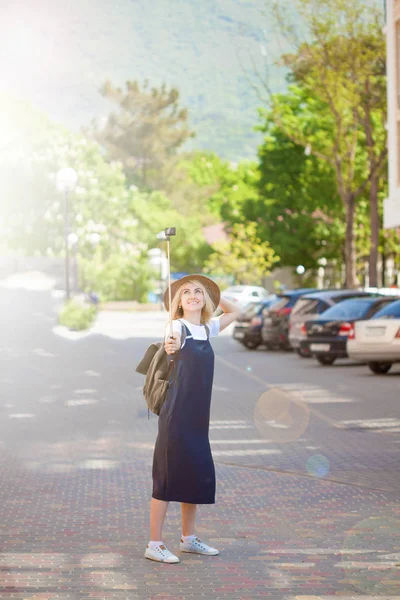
206 312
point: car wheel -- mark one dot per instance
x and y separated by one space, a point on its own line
303 353
326 360
251 345
380 368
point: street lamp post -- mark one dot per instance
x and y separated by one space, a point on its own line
66 180
300 270
73 244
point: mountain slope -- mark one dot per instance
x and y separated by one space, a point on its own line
205 49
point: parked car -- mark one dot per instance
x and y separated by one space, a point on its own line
275 327
244 294
377 341
248 325
309 307
327 336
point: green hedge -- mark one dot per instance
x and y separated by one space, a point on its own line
77 316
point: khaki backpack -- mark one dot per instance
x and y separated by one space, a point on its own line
154 365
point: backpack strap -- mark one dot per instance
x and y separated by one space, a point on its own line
183 332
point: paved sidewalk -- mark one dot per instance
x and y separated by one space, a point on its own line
75 483
75 526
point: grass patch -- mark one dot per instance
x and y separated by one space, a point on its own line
77 316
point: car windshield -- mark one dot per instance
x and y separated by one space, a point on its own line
282 301
390 311
269 305
305 306
252 309
234 290
355 308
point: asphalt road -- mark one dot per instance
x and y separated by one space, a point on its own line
307 460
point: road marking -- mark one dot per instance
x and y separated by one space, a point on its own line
267 385
241 442
44 353
245 452
21 416
231 426
382 425
318 551
217 422
99 463
81 402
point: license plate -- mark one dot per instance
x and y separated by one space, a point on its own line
320 347
375 331
239 335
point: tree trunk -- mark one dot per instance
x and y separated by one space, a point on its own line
350 244
375 225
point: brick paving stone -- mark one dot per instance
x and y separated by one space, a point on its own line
75 486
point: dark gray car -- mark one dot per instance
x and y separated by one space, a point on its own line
309 307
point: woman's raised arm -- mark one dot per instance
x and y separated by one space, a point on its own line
231 312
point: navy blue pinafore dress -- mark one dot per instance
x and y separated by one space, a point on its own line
183 467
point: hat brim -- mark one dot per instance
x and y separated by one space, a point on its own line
210 285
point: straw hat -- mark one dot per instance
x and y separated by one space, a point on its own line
210 285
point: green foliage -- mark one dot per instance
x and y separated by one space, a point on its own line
76 315
341 66
245 256
118 277
297 209
110 218
145 131
25 132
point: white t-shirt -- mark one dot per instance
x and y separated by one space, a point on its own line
198 332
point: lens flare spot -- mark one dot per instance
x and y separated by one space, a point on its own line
279 417
317 465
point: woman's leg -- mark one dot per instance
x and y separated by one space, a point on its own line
158 510
188 518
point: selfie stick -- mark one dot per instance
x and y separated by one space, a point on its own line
169 231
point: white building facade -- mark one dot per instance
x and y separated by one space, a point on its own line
391 215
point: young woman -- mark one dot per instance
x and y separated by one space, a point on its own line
183 467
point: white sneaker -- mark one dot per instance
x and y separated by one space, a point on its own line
160 554
197 546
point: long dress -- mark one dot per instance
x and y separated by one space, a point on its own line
183 467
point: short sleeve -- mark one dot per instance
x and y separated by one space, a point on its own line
176 328
214 325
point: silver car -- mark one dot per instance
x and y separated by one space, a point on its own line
377 341
244 294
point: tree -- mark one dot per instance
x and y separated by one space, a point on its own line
24 132
335 66
145 132
298 209
244 255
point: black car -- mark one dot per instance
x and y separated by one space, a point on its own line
275 329
327 336
248 325
309 307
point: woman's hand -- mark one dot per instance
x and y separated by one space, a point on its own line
172 345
